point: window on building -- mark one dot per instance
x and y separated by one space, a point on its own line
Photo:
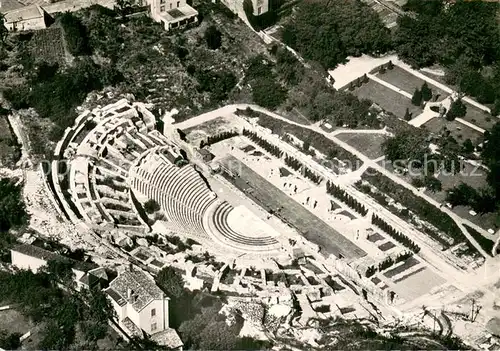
153 326
178 3
162 8
171 6
153 312
162 1
259 10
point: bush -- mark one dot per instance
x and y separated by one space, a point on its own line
457 109
218 84
12 208
75 34
213 37
268 93
328 34
151 206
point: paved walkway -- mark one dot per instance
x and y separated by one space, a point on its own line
470 125
428 114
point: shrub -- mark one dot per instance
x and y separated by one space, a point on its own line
151 206
75 34
213 37
268 93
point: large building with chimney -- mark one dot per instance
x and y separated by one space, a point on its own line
141 307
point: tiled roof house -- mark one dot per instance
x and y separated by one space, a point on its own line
142 307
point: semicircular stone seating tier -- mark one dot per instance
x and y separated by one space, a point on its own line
186 201
182 194
219 221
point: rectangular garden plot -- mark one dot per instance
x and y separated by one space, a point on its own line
386 98
386 246
410 262
406 81
480 118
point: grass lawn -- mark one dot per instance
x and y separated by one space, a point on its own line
295 116
368 144
387 99
14 322
457 130
406 81
485 221
476 178
479 117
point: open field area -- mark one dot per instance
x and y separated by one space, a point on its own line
418 284
368 144
470 175
14 322
9 149
408 82
387 99
295 115
479 117
457 130
277 202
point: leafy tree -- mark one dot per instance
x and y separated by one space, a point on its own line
467 146
406 145
151 206
61 270
495 111
218 84
457 109
407 116
433 184
461 195
213 37
75 34
491 157
288 66
96 317
416 99
3 30
330 33
12 208
426 92
9 341
171 282
268 93
420 39
124 7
